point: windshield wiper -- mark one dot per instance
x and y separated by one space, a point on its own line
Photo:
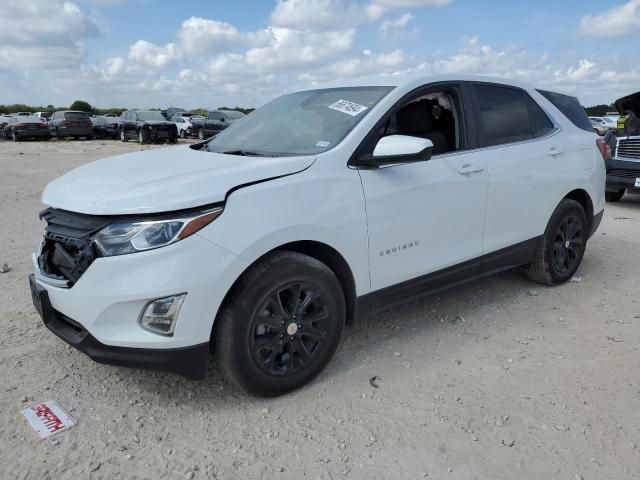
244 153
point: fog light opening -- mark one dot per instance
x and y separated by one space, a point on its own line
160 315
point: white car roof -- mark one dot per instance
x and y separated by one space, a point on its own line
415 81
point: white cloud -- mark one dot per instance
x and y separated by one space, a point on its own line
397 28
201 35
617 21
43 34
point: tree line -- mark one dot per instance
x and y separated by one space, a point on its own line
82 106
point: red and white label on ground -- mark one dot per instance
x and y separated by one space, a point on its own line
48 418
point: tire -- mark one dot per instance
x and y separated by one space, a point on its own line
14 137
200 135
58 134
142 138
183 133
123 136
270 355
560 250
615 196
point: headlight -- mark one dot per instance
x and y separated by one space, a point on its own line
123 238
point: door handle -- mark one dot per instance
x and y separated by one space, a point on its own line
554 152
468 169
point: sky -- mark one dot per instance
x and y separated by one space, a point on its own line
209 53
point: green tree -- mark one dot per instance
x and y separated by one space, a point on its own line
82 106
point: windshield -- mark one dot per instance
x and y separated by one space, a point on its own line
76 116
303 123
151 117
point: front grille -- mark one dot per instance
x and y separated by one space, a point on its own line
67 247
628 148
617 172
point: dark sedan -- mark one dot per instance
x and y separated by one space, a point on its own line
147 126
21 128
106 127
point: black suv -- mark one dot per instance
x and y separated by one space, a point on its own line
147 126
68 123
215 122
623 164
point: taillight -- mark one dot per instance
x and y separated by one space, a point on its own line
604 149
42 125
19 125
66 122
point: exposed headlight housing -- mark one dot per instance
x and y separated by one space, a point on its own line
122 238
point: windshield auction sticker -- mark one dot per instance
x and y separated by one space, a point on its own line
48 418
350 108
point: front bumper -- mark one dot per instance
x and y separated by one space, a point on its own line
109 297
622 174
190 362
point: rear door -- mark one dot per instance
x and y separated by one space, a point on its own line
525 157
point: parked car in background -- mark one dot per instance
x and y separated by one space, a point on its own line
623 162
69 123
106 127
111 115
43 116
4 119
147 126
184 125
215 122
23 114
603 125
319 208
598 127
23 127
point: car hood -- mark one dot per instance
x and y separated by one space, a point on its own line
630 103
162 180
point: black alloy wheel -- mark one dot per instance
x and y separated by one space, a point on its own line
568 245
289 329
281 325
560 250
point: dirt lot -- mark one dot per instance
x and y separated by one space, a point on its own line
501 379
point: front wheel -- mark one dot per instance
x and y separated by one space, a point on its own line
142 138
123 136
615 196
282 324
561 248
200 135
183 133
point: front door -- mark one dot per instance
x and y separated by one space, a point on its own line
424 217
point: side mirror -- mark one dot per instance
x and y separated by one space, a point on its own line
398 149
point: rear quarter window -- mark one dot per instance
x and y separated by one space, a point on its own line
570 108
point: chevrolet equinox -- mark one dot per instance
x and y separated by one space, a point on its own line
315 210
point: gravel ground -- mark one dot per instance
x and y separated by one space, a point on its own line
500 379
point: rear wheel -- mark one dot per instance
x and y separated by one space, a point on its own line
615 196
281 325
560 250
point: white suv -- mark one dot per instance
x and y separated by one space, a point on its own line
315 210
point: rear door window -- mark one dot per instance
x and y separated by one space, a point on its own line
509 115
570 108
